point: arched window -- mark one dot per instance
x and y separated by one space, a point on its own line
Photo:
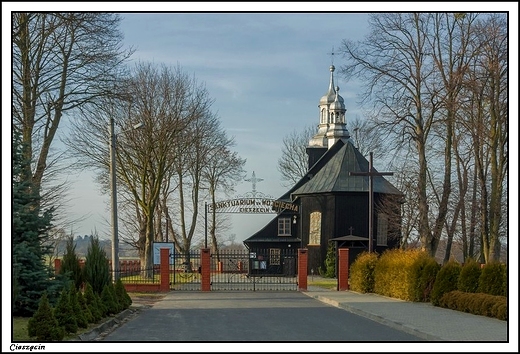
315 228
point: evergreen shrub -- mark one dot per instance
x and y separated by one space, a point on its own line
76 307
491 279
122 295
469 276
85 309
108 300
476 303
424 269
96 270
92 303
43 324
64 312
446 280
362 272
395 274
70 264
329 269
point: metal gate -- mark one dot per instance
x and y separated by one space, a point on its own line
185 271
257 270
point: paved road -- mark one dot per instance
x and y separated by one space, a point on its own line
250 317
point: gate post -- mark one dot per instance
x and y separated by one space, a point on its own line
165 269
343 269
205 270
302 269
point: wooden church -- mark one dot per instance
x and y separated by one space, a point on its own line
330 207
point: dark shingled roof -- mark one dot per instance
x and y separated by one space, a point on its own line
331 174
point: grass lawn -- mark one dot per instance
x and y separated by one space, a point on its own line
20 330
20 323
326 283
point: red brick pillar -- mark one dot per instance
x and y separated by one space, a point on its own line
343 269
205 281
302 269
57 266
165 270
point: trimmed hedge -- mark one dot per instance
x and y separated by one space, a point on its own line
395 273
475 303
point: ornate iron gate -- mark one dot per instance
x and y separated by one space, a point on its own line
185 271
258 270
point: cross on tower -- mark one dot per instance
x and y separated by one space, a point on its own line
253 180
351 229
371 173
331 56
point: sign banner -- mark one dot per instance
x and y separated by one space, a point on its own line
252 206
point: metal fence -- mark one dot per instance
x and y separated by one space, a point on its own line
136 274
185 271
257 270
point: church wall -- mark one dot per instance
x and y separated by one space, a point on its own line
352 212
323 204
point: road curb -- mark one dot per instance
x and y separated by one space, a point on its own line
103 327
393 324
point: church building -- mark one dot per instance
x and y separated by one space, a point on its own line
329 206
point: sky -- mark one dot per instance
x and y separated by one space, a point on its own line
265 71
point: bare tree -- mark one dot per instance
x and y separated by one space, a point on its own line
413 91
190 168
487 121
164 101
222 171
61 62
294 163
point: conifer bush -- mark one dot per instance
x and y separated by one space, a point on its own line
446 281
491 280
362 272
85 309
394 273
329 270
469 276
92 303
122 295
425 271
70 264
43 324
107 298
96 270
76 307
119 304
64 312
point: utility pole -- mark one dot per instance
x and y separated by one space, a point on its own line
371 173
113 202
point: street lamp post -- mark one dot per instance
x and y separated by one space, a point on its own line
113 203
113 199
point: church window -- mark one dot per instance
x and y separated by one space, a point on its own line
382 229
274 256
315 228
284 227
